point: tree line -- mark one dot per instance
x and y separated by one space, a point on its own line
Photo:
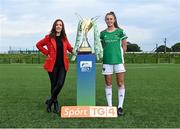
132 47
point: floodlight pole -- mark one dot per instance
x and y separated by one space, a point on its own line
165 45
156 46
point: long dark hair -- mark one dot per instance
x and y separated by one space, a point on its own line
113 14
53 30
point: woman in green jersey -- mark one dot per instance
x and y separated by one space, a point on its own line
114 45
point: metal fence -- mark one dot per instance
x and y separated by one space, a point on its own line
38 58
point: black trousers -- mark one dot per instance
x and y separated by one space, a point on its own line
57 78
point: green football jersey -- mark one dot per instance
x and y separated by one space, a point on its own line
112 49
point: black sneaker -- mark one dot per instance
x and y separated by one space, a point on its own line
46 102
120 112
48 105
56 107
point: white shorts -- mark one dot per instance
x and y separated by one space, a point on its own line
110 69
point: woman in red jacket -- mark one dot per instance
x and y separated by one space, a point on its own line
55 46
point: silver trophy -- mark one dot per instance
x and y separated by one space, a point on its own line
82 45
85 47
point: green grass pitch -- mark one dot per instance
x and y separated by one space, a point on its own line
152 97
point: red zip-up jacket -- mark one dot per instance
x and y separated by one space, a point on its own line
50 51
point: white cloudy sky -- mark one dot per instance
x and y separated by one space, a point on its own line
146 22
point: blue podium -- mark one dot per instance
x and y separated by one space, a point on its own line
86 80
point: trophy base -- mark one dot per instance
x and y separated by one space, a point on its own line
84 50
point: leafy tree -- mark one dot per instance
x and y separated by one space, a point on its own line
176 47
133 47
162 49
